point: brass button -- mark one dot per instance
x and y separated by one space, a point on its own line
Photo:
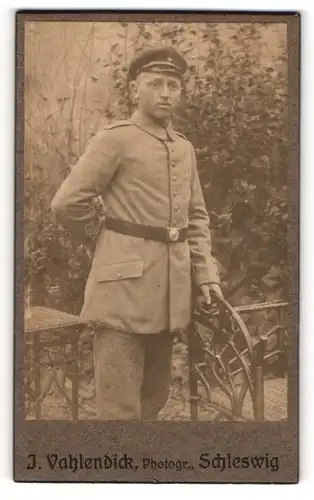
119 274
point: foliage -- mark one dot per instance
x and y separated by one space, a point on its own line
233 110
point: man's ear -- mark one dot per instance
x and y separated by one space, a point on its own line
134 91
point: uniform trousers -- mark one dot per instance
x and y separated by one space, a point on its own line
132 374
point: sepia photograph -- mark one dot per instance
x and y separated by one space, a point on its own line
176 136
157 265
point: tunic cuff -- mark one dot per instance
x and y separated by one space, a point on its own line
93 228
205 276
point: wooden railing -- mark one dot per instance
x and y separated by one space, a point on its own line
228 363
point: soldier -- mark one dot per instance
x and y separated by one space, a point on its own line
152 245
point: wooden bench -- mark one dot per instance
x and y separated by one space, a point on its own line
227 364
50 344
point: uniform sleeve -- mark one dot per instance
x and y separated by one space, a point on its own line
72 204
204 267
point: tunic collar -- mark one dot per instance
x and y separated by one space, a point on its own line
152 128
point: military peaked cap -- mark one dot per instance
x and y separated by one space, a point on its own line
162 59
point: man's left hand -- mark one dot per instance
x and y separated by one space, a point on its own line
207 290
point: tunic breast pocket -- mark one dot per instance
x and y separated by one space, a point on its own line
120 271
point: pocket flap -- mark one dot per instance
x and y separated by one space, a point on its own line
120 271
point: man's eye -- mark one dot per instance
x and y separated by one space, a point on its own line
173 86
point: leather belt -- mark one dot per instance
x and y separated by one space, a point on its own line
162 234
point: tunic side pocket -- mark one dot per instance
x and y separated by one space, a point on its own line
120 271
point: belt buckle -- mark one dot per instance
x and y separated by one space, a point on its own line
173 234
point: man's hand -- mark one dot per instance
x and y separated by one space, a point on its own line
207 290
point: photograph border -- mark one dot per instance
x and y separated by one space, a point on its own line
178 440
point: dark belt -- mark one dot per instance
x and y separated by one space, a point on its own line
163 234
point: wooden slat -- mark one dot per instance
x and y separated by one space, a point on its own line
44 318
263 306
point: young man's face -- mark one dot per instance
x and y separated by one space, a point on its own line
158 94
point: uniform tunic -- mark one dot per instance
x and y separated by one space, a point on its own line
146 175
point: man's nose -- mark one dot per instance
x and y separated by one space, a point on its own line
165 91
